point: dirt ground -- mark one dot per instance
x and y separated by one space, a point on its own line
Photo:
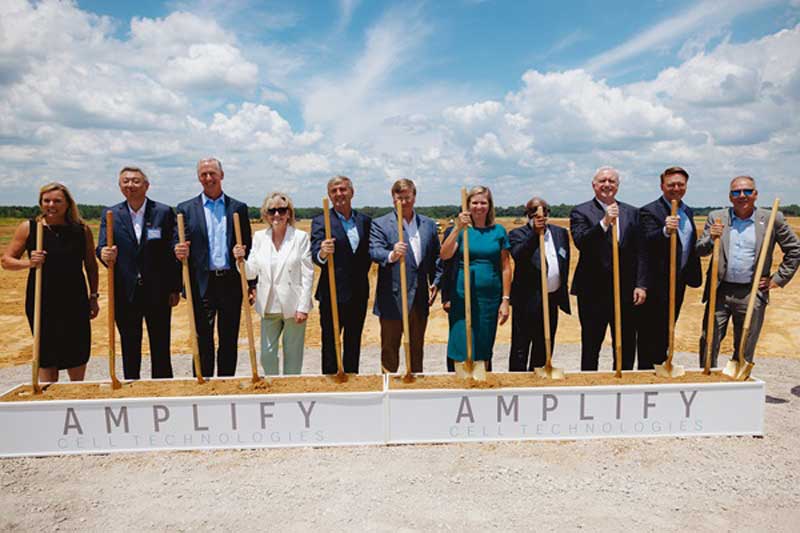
779 337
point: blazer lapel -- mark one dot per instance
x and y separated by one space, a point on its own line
147 222
338 232
126 222
205 249
761 228
286 247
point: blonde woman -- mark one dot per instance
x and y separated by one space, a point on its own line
281 259
67 307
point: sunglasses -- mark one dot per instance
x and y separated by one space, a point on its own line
277 210
739 192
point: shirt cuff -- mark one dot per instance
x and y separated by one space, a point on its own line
603 224
391 258
320 259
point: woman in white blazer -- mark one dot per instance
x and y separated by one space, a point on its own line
281 259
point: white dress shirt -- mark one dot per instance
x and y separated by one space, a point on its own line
137 217
553 275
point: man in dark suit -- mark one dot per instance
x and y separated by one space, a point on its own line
527 321
420 247
349 246
657 226
215 281
147 279
590 225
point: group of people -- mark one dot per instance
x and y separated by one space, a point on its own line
278 262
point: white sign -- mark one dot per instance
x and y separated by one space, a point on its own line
576 412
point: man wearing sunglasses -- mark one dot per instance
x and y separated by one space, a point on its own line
742 231
657 226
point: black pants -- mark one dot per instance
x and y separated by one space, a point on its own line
155 310
652 336
596 314
527 337
351 320
221 303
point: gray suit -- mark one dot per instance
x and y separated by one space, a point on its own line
732 298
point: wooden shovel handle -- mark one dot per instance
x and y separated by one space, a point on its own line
545 294
673 270
467 288
403 291
112 350
617 303
37 312
187 285
713 281
251 343
332 286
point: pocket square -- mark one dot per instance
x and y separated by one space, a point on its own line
562 252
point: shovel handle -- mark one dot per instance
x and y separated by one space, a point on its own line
326 212
37 312
617 303
403 291
467 288
673 269
187 285
112 350
712 303
251 343
762 258
545 294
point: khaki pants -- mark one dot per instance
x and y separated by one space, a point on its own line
392 335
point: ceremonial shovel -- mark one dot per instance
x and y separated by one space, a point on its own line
547 371
246 301
409 377
187 285
668 370
37 311
712 303
340 377
469 368
112 357
740 369
617 304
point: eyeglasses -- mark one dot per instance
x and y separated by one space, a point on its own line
277 210
739 192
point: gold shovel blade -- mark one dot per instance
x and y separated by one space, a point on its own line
549 372
744 374
671 371
731 369
471 369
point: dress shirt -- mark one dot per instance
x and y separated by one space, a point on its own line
137 218
553 276
216 225
741 249
603 222
412 232
349 225
684 231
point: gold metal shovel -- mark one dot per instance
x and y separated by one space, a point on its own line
668 370
340 376
547 371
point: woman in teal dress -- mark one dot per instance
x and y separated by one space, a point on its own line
490 278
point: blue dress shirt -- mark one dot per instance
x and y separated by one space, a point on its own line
684 231
741 249
217 227
350 228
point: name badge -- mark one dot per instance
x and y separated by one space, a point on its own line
153 233
562 252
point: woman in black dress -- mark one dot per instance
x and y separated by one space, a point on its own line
66 306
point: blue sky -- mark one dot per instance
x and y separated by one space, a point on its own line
525 97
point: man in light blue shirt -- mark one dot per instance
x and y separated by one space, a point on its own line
742 231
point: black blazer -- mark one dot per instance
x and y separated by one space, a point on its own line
653 217
351 269
593 274
526 289
152 259
197 233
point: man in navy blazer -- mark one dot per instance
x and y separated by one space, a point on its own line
657 225
590 225
349 246
147 279
216 287
420 247
527 321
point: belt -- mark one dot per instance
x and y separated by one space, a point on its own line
220 273
733 284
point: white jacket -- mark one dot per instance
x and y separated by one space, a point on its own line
293 277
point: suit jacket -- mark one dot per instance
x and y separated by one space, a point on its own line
593 275
782 234
526 289
383 235
351 268
197 233
652 217
446 270
150 259
293 275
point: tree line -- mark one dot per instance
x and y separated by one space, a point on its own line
93 212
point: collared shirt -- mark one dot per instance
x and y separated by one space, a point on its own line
741 249
603 222
412 232
137 218
684 231
217 227
553 276
349 225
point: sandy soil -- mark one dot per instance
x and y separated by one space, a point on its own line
698 484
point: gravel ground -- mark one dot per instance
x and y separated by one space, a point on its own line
703 484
